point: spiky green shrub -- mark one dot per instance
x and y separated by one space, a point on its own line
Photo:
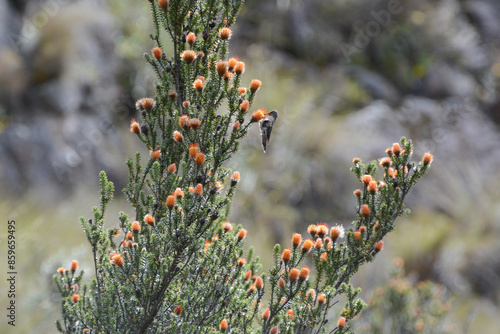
179 266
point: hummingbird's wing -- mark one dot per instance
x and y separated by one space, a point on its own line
265 133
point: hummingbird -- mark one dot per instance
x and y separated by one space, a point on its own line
266 126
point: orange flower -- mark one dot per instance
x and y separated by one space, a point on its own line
136 227
427 159
323 256
296 240
318 244
241 234
274 330
163 4
365 210
366 179
60 270
227 226
172 169
281 282
135 127
170 202
379 245
306 247
236 126
221 67
178 137
225 34
178 310
357 235
290 313
146 104
193 150
75 297
148 219
232 64
248 274
188 56
118 260
241 262
199 158
384 162
372 187
198 85
312 230
184 122
74 266
191 38
223 325
286 256
396 149
235 178
266 314
244 106
258 115
178 193
304 274
129 236
357 193
255 85
239 68
341 323
321 299
322 229
157 53
155 154
293 276
259 283
242 90
194 123
356 160
198 190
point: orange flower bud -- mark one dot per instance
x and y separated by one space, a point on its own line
136 227
172 95
60 270
266 314
74 266
341 323
236 126
296 240
225 34
323 257
306 247
191 38
318 244
193 150
157 53
427 159
129 236
362 229
198 190
365 210
223 325
155 154
178 310
304 274
184 122
242 90
321 299
241 234
274 330
311 293
255 85
163 4
357 235
286 256
356 160
357 193
227 226
290 313
148 219
379 245
75 297
178 137
259 283
172 169
248 274
281 282
188 56
170 202
241 262
293 276
199 158
135 127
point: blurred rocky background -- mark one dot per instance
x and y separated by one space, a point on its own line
349 78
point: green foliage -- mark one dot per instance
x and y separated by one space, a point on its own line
179 266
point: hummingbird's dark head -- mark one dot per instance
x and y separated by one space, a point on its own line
274 114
